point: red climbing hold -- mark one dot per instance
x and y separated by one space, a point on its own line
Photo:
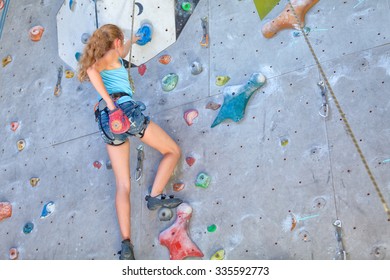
142 69
176 238
190 160
97 164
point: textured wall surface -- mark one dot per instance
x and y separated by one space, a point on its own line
259 180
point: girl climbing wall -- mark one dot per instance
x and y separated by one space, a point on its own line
119 116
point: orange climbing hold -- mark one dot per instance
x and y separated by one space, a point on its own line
36 33
177 187
5 210
286 19
165 59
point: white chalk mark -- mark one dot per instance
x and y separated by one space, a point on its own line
358 4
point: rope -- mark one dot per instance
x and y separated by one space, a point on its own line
131 49
344 118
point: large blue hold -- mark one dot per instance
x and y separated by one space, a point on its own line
236 98
145 33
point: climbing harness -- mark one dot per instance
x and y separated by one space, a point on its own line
343 117
341 253
324 109
140 159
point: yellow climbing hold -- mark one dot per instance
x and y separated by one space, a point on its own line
21 144
222 80
284 142
6 60
218 256
69 74
34 181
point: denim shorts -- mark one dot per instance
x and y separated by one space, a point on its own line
133 110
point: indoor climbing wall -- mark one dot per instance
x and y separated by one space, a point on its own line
279 178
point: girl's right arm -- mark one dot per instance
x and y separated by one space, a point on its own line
97 82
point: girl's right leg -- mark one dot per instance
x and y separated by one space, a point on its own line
120 160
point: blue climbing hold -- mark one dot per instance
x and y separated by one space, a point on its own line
236 98
28 227
145 33
77 56
71 5
48 209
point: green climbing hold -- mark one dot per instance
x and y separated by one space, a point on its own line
218 256
169 82
222 80
263 7
203 180
186 6
212 228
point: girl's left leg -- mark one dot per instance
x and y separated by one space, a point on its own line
158 139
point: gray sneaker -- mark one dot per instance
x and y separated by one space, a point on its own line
127 252
154 203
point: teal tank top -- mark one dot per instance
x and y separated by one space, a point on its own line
117 80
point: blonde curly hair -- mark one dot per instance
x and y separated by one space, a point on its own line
98 44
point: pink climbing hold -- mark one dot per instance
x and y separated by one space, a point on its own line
14 126
176 238
190 116
190 160
13 254
5 210
142 69
213 106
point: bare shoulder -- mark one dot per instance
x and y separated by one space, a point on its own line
105 62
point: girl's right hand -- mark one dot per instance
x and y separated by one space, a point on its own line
111 106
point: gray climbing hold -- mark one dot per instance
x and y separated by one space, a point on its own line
85 38
165 214
196 68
